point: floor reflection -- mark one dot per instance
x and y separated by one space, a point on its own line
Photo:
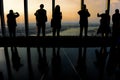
61 64
113 65
10 76
81 63
30 68
101 61
1 76
16 59
42 62
56 64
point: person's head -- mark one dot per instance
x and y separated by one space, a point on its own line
117 11
106 11
84 7
41 6
57 8
11 11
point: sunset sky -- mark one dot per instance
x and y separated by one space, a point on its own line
69 8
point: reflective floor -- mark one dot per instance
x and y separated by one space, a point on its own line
98 63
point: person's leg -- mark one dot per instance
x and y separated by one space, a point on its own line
39 26
58 32
43 29
14 31
86 30
10 31
54 31
38 31
81 30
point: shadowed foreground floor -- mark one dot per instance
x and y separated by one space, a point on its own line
59 58
49 41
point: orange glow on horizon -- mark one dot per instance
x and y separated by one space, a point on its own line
69 8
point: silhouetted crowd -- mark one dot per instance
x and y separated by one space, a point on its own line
41 19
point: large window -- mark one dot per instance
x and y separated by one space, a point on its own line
16 6
69 9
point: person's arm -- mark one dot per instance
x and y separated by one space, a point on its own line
79 12
88 14
7 15
109 20
60 15
99 15
46 15
113 18
17 14
36 13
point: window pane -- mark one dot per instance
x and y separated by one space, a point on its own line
16 6
34 5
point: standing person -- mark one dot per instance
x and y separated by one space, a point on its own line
116 23
104 27
11 22
116 27
84 14
56 21
41 18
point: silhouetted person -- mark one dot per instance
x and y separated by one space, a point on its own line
41 19
116 23
11 22
84 14
104 27
56 21
16 59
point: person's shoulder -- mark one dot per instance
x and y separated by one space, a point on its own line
41 10
7 14
38 10
44 10
79 11
103 14
114 14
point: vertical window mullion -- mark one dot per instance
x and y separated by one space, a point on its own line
2 17
53 6
82 2
108 5
26 16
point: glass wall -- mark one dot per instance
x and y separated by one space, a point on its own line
70 17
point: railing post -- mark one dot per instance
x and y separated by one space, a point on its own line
26 16
2 17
